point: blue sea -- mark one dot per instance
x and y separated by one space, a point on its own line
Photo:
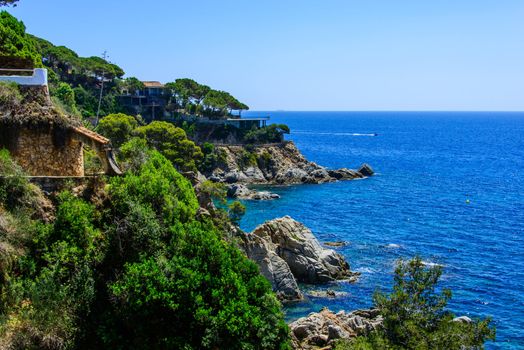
449 187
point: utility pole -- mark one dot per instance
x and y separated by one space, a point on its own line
105 57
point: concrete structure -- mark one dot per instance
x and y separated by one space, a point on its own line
44 141
34 77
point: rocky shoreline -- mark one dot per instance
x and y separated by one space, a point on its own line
277 164
287 252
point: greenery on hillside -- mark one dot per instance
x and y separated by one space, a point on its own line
126 266
415 316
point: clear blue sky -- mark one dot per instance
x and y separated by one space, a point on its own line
308 54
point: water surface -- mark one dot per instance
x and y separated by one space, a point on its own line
449 187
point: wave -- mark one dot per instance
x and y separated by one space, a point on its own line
431 264
393 246
334 133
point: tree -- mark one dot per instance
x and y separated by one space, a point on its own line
132 85
236 211
66 95
8 2
415 316
118 128
14 41
173 143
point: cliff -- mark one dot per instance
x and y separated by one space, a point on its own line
275 164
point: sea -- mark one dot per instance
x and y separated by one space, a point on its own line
449 187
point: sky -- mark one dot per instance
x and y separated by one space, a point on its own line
307 54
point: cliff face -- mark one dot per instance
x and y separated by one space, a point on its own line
275 164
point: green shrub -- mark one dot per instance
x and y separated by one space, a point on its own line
157 184
204 295
236 211
117 127
269 134
415 316
246 160
173 143
16 193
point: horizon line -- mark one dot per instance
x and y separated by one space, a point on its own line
384 111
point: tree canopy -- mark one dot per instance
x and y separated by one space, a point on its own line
415 315
14 41
8 2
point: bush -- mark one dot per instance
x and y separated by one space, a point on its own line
247 159
117 127
173 143
415 316
158 185
66 96
204 295
236 211
16 193
269 134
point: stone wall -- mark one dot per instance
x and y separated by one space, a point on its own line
39 154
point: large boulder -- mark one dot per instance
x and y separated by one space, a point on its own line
365 170
273 267
308 260
324 328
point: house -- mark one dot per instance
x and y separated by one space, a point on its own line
43 140
149 102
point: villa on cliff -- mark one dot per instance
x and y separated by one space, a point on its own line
42 139
151 103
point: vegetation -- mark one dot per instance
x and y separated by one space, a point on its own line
91 276
14 41
415 316
235 211
118 128
173 143
271 133
8 2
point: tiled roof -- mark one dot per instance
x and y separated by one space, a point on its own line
152 84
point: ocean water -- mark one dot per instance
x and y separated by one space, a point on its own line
449 187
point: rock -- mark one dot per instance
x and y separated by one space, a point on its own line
344 174
238 191
324 328
336 244
326 293
308 260
280 163
274 268
243 192
365 170
264 196
463 319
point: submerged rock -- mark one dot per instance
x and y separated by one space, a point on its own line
324 328
336 244
308 260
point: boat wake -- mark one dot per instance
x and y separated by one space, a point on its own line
334 133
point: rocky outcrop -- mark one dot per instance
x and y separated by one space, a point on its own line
240 191
275 164
308 260
322 329
273 267
286 252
